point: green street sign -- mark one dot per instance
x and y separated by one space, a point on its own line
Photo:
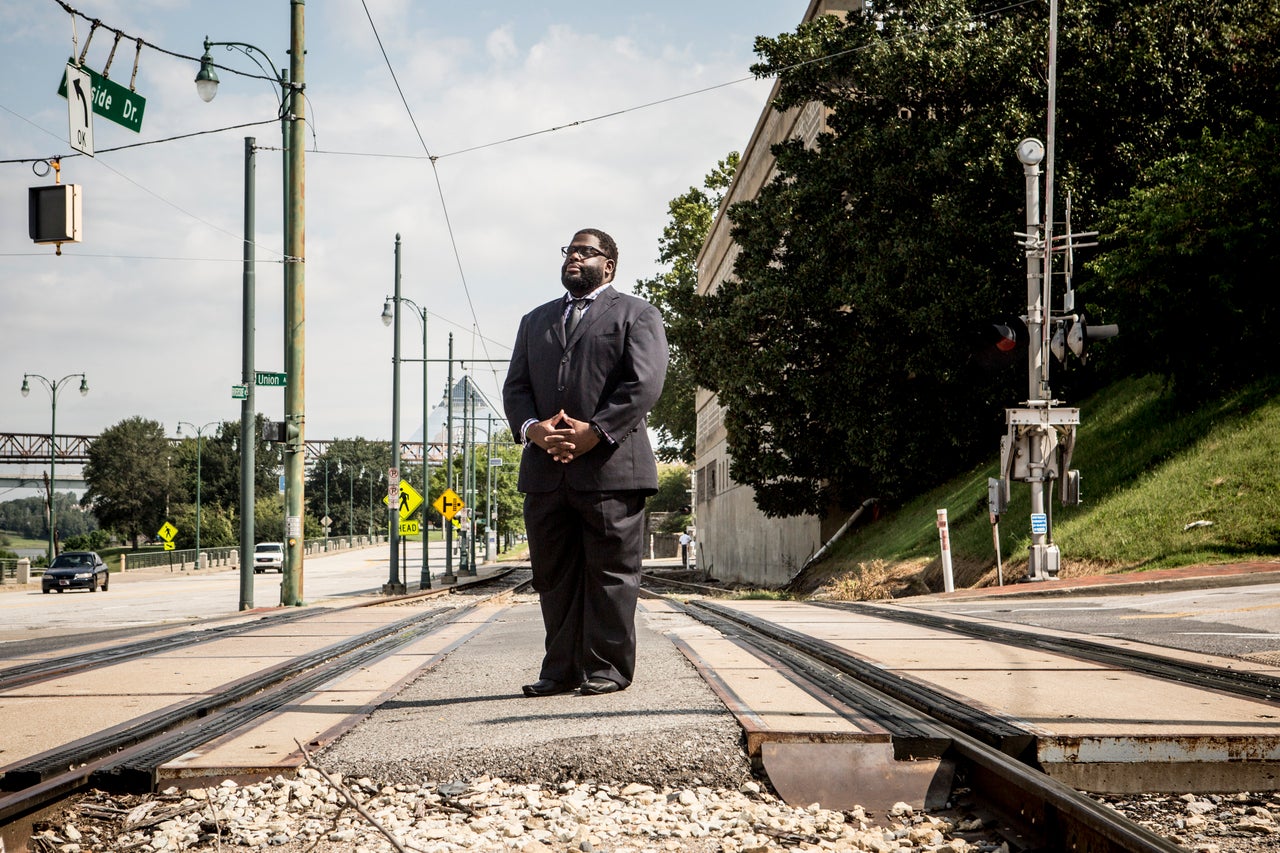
112 101
271 380
239 392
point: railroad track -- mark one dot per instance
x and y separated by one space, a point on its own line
1034 811
125 757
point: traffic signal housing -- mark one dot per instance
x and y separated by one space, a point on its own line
1075 334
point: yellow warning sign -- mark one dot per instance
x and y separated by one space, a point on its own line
449 504
410 500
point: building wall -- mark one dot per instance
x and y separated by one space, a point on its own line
736 542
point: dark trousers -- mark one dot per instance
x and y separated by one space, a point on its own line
586 549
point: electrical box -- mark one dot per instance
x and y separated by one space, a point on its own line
997 495
53 213
1071 488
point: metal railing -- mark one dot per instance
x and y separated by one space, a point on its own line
181 560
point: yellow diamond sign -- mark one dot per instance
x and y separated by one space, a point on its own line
448 504
410 499
167 532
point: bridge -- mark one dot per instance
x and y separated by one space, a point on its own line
18 448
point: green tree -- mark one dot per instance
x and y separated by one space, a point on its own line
673 497
1185 270
674 294
357 483
129 478
845 345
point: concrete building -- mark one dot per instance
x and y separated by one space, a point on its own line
736 542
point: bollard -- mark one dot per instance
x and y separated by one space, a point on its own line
24 571
944 536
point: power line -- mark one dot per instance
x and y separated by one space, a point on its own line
453 242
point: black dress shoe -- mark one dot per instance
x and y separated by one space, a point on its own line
598 686
547 687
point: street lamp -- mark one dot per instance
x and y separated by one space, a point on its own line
391 314
199 448
292 125
54 388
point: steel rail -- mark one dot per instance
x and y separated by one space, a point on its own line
1253 685
129 754
42 670
1049 815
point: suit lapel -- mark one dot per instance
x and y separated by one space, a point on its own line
599 307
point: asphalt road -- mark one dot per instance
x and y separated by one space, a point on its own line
1237 621
160 597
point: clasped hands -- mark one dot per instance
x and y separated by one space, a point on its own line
562 436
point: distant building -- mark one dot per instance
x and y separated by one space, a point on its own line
476 417
737 542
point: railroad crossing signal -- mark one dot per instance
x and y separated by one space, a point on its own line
449 504
410 500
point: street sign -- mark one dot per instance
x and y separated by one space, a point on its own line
1039 522
239 392
393 476
167 532
110 100
79 108
271 380
410 528
326 522
448 504
408 496
169 546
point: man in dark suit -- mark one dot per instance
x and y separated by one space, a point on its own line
586 369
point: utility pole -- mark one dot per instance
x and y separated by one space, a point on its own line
1041 434
291 586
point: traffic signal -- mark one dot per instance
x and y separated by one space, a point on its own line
1076 334
53 213
273 431
1009 335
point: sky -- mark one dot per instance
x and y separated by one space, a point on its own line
149 304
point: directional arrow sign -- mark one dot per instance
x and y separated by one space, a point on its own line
448 504
80 109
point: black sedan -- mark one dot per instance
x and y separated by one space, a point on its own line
76 570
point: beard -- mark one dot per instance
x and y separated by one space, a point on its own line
587 279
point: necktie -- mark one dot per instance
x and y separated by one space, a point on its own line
574 315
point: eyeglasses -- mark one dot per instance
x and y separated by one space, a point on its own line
586 252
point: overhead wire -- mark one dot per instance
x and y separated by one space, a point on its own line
453 242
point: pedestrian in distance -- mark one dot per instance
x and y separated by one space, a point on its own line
586 369
685 539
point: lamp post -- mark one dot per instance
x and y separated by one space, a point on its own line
54 387
391 314
199 449
293 119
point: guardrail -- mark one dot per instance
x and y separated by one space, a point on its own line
230 555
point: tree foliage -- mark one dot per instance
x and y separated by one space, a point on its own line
674 294
129 477
1186 270
845 346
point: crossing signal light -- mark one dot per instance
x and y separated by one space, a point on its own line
273 431
1009 335
1075 334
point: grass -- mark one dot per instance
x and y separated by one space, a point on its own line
12 541
1149 471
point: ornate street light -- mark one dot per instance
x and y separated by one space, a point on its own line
292 120
199 448
54 388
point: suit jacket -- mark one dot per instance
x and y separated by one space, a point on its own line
610 372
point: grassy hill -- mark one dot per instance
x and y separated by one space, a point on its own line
1148 469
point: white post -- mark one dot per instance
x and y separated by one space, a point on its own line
944 536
